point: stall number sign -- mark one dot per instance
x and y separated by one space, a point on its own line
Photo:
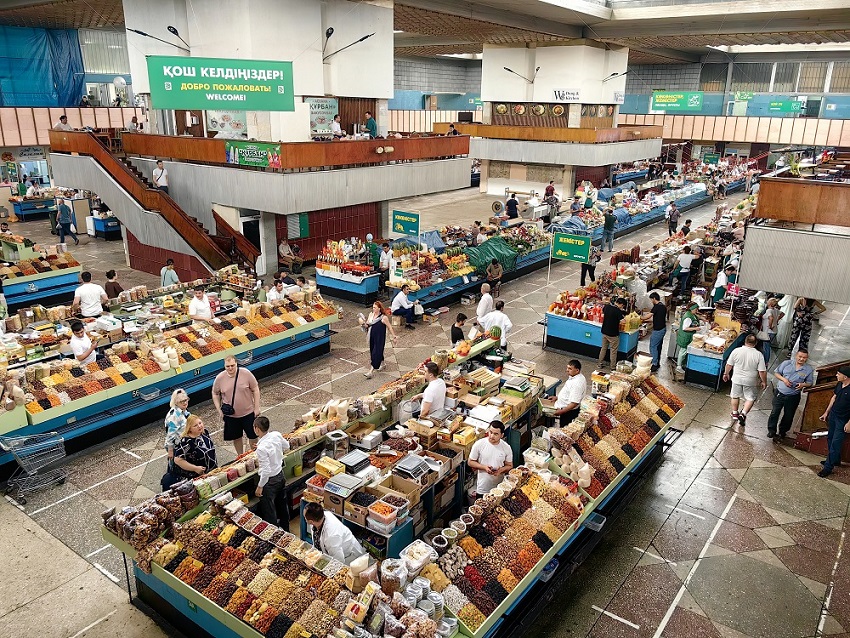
734 290
677 101
406 223
571 247
215 83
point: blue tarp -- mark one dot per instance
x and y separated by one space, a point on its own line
40 67
430 238
572 225
605 194
630 176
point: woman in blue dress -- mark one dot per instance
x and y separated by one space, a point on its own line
377 324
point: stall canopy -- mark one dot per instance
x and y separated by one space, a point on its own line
496 248
430 238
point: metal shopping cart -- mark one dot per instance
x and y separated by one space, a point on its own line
35 455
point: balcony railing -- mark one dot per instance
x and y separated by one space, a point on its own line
305 155
792 199
548 134
31 126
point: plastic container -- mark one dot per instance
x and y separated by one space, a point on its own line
317 334
460 527
385 519
440 543
402 504
450 535
424 584
436 599
380 528
414 590
427 606
467 519
149 394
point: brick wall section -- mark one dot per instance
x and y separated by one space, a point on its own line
433 76
335 224
594 174
644 78
151 260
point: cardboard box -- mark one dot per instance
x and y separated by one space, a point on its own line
358 430
465 435
402 487
516 404
457 459
446 467
419 528
334 503
358 513
470 400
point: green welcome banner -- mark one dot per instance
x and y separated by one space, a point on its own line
711 158
220 83
406 223
571 247
252 154
744 96
677 101
785 106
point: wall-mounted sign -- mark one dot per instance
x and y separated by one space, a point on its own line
677 101
229 123
711 158
29 153
571 247
619 97
743 96
406 223
252 154
211 83
566 96
785 106
322 111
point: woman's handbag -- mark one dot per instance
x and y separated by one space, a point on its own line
227 408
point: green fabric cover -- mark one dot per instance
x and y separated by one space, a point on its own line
496 248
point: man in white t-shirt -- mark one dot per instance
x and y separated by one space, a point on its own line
276 293
498 319
491 458
199 307
485 306
81 344
434 396
750 374
160 176
89 298
568 403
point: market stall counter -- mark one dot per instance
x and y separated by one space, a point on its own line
705 367
585 338
225 570
26 207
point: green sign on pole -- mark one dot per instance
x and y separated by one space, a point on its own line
406 223
744 96
252 154
677 101
785 106
216 83
571 247
711 158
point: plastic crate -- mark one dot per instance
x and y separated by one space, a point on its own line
380 528
383 519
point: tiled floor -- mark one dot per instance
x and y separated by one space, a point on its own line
732 536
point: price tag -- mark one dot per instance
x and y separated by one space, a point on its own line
178 369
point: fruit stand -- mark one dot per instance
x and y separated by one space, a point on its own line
33 276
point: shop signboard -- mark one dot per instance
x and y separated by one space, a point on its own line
229 123
677 101
322 111
211 83
619 97
744 96
12 169
571 247
711 158
566 96
785 106
252 154
406 223
29 153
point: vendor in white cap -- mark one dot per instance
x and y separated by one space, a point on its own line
373 250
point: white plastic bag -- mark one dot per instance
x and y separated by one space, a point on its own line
73 228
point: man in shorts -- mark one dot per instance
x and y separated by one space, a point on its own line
749 375
236 395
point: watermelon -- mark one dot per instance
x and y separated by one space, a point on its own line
495 332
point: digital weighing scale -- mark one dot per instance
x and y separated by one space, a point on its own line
355 461
343 485
413 467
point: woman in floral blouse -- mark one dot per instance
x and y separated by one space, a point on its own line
175 420
194 455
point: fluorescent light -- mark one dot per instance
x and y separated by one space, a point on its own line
397 31
114 46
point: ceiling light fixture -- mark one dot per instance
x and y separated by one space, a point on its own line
328 33
330 55
153 37
531 81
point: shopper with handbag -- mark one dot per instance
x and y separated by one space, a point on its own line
194 454
376 325
236 395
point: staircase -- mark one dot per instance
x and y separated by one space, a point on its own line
215 251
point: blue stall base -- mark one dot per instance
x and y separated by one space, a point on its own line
108 228
60 285
631 175
584 338
365 291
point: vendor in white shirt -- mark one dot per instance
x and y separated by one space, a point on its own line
81 344
270 450
276 293
498 319
336 127
568 403
403 307
492 458
386 263
330 536
199 307
434 396
89 298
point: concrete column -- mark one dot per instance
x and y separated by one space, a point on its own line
568 185
485 174
268 243
574 115
384 221
382 116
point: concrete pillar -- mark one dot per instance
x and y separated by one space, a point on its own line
574 115
568 185
385 220
485 174
382 116
268 243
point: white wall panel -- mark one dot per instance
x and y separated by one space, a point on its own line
807 267
521 152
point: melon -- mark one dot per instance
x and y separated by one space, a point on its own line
495 333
